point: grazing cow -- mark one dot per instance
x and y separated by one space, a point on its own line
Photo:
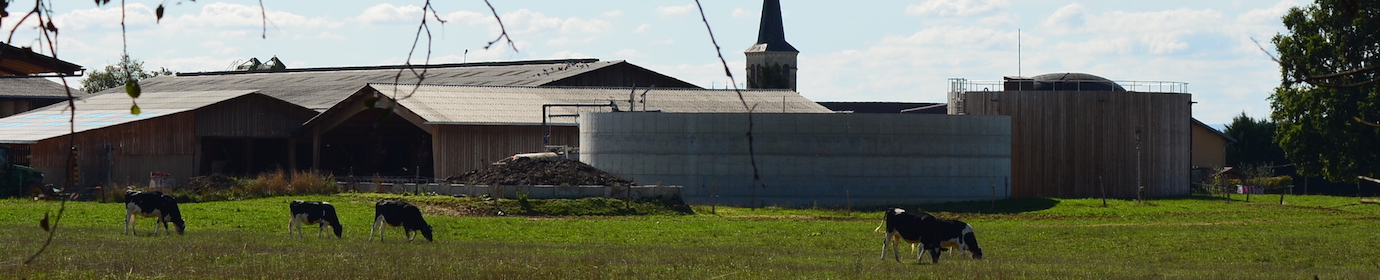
152 204
312 213
932 233
399 214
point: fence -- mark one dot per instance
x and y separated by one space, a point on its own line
532 191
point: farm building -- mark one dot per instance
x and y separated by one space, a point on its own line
179 133
442 131
23 80
190 127
1078 135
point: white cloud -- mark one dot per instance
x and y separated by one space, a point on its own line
643 28
740 13
960 8
614 13
1267 15
663 42
388 14
1156 32
219 48
137 15
1069 16
675 10
566 54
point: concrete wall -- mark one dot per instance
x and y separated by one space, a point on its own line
831 160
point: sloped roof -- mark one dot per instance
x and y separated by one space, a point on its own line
34 87
1214 130
321 88
24 61
495 105
100 111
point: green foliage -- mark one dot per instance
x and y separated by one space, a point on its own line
1185 238
126 73
1328 63
1254 142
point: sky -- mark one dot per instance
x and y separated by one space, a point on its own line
878 50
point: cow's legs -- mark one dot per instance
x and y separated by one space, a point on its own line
378 220
129 224
321 230
886 240
934 255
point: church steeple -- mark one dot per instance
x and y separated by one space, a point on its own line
771 62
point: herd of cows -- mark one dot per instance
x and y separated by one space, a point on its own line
163 207
921 230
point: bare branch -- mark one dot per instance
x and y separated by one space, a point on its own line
1363 121
752 154
263 17
50 36
502 31
1320 80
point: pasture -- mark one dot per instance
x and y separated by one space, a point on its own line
1182 238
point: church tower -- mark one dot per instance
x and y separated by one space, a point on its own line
771 61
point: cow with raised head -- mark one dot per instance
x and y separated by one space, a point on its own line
399 214
153 204
313 213
931 233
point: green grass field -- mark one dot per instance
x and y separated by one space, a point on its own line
1194 238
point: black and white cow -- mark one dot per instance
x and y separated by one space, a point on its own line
399 214
930 232
152 204
311 213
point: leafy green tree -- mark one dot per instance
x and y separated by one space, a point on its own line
1330 71
116 75
1254 142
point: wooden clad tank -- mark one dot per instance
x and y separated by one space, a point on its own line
1078 135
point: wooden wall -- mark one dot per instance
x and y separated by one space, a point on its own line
251 116
1209 149
164 144
461 148
1072 143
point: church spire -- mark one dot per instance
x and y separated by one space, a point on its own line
771 61
771 35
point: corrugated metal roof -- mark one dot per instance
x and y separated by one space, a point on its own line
33 87
99 111
319 89
523 105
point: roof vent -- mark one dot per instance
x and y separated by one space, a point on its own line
253 64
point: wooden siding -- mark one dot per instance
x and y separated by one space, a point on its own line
164 144
1064 141
461 148
254 116
1209 148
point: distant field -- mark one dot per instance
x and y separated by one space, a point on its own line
1194 237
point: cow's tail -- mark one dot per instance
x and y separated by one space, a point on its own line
971 240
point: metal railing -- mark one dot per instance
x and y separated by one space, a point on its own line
966 85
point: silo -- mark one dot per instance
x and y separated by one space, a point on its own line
1080 135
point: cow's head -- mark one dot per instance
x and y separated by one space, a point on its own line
180 224
426 232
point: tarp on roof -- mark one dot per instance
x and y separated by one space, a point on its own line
320 88
483 105
100 111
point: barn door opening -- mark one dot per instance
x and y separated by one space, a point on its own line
377 142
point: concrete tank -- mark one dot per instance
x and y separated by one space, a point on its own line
830 160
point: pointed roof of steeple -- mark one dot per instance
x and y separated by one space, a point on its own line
771 36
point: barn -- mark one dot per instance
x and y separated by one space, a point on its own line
1081 135
177 133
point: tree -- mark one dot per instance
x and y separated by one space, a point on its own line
1254 142
1330 90
116 75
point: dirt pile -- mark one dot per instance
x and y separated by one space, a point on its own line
538 171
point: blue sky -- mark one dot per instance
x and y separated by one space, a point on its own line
882 50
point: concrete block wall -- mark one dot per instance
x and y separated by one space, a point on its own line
831 160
